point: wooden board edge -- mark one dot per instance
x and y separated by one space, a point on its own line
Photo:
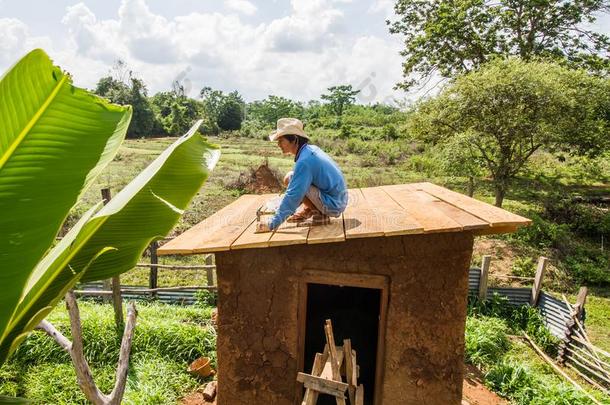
170 251
288 242
494 230
252 245
212 249
325 240
364 235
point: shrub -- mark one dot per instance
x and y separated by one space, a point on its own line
486 340
524 267
345 132
543 234
587 266
389 132
511 379
206 298
584 219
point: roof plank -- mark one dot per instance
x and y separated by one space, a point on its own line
493 215
217 232
371 212
422 208
332 232
289 234
359 219
250 239
393 219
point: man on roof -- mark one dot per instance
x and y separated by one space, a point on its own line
315 188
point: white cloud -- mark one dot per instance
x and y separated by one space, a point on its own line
297 55
242 6
385 7
310 27
16 40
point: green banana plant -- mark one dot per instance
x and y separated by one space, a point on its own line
54 141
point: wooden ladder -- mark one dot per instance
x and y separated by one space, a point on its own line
325 377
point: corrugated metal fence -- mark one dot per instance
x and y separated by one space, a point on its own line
554 311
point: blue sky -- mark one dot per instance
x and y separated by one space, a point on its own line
293 48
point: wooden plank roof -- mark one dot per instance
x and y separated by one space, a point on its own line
372 212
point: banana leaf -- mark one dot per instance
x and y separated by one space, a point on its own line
54 140
111 241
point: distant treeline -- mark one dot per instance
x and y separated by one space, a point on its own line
173 112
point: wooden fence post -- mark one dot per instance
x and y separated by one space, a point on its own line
117 300
208 271
538 280
108 282
581 299
485 262
153 275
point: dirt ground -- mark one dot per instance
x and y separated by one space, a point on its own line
474 392
262 180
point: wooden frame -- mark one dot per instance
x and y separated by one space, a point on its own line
377 282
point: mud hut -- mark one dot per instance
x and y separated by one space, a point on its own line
391 273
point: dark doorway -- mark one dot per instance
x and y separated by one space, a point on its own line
354 313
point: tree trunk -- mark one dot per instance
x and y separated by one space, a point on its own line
470 186
75 349
500 192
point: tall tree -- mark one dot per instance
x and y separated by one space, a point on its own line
126 89
273 108
230 115
174 112
450 37
509 109
340 97
224 110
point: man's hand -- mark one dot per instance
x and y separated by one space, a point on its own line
262 227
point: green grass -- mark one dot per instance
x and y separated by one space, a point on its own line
512 368
167 339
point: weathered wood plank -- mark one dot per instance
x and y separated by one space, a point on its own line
330 387
250 239
219 231
493 215
289 234
422 207
465 219
359 219
327 371
332 232
311 396
393 218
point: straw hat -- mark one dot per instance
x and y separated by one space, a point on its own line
288 126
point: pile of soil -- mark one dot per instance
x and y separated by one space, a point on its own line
196 398
259 181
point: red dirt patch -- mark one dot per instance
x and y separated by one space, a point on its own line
196 398
259 181
475 392
502 258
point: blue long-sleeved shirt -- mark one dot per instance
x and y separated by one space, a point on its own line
313 167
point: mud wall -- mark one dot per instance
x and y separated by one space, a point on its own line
424 342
